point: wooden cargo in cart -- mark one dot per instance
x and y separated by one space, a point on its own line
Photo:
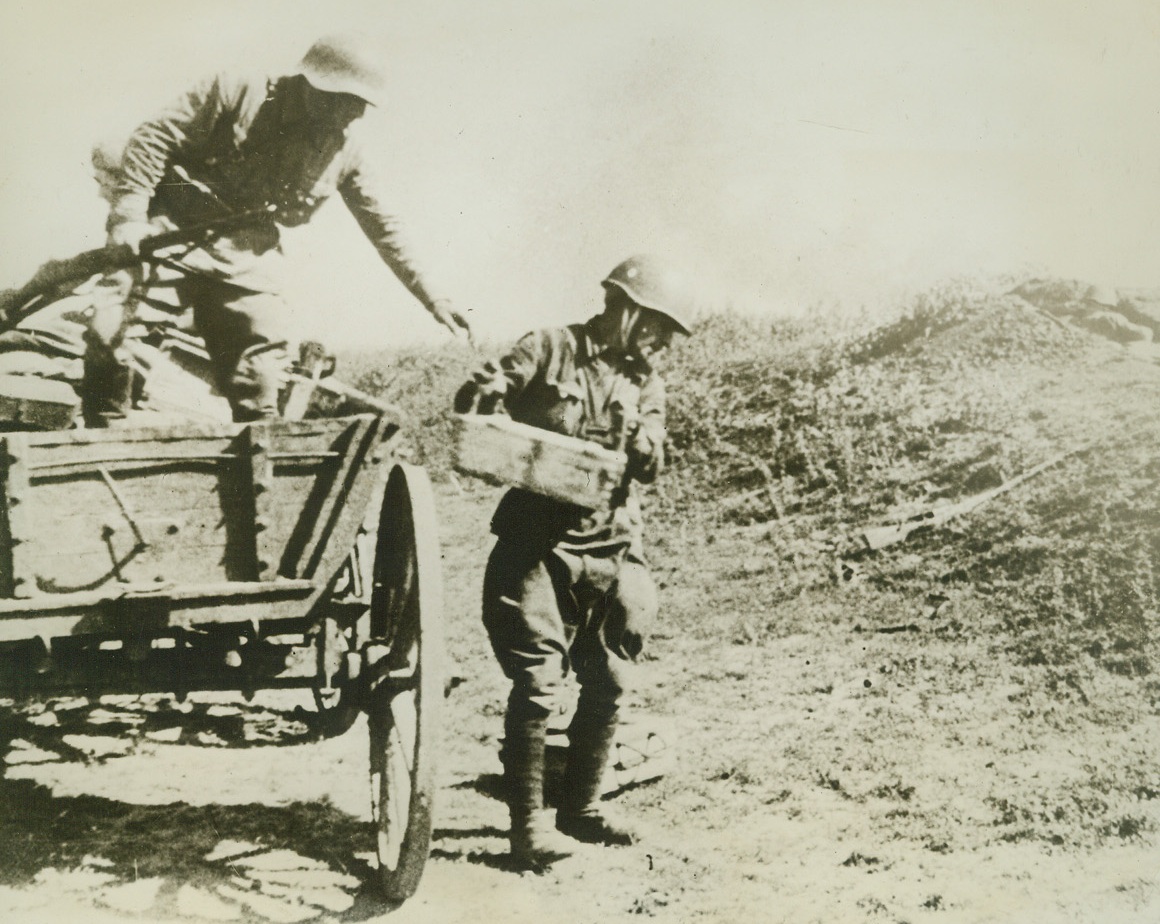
288 554
208 555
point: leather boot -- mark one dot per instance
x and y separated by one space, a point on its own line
106 391
581 814
535 844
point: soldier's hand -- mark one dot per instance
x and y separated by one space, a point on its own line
640 445
644 456
451 319
482 395
129 234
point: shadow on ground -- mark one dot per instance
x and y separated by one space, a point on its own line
250 861
308 857
66 726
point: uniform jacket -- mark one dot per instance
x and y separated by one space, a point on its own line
563 380
249 141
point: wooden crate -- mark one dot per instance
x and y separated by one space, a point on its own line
502 451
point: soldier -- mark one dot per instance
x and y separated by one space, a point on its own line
567 588
271 148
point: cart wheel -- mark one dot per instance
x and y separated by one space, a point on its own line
406 612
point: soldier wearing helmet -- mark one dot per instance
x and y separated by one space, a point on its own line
275 149
567 589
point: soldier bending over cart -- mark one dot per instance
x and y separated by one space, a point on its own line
274 150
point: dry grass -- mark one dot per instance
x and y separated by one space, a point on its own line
961 727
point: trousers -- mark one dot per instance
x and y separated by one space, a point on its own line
549 614
242 333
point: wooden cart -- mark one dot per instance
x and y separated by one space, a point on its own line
286 554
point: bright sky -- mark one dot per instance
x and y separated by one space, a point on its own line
790 153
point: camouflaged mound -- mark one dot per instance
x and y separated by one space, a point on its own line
805 433
965 389
810 436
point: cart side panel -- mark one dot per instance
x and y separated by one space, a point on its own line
313 483
183 506
12 476
337 502
173 511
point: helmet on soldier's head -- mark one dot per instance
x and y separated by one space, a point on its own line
344 64
650 283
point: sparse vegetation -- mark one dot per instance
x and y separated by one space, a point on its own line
892 734
1038 611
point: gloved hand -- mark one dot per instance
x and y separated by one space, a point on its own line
484 394
644 456
446 315
130 234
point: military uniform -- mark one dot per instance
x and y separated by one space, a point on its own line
233 146
568 589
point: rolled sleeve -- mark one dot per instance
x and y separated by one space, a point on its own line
151 148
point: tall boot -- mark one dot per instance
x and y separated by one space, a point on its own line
106 391
535 844
581 814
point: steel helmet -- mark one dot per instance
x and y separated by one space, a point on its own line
650 283
344 64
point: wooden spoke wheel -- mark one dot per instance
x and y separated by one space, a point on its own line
403 709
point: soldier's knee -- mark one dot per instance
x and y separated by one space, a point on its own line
540 699
257 381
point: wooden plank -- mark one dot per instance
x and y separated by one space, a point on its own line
158 506
361 498
331 495
502 451
288 465
261 483
75 571
194 528
39 402
207 595
7 571
27 627
17 495
86 529
82 441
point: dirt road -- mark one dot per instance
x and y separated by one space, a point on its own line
825 771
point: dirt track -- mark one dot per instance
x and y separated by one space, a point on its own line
960 728
825 772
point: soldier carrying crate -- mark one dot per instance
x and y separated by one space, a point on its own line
567 588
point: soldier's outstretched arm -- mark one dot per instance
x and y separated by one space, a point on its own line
362 191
